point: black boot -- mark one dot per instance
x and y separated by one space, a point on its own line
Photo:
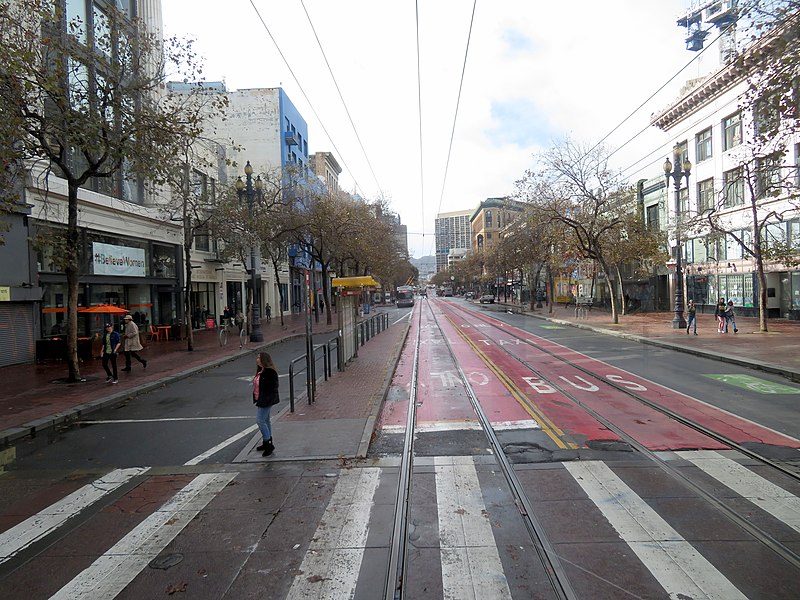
262 447
269 448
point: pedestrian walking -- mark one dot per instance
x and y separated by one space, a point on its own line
131 343
730 317
691 317
111 343
265 396
268 312
719 312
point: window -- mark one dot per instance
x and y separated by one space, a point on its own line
76 19
703 145
766 116
774 235
202 239
732 131
651 216
487 223
199 185
768 177
797 165
733 184
705 195
794 234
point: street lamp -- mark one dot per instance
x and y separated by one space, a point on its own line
678 171
252 190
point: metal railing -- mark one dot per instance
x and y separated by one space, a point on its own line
365 330
368 328
327 350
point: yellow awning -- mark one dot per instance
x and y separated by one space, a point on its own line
355 282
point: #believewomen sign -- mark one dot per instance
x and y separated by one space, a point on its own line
118 260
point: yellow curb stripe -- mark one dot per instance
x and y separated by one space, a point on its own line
548 427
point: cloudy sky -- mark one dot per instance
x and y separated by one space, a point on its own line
535 73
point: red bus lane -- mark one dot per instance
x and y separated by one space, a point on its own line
565 422
648 426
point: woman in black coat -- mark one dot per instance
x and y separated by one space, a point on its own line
265 396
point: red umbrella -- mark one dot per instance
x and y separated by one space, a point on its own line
106 309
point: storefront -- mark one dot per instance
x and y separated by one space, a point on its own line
140 276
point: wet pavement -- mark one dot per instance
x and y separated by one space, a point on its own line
347 405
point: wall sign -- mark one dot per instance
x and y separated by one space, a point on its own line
118 260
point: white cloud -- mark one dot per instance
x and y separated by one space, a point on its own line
536 71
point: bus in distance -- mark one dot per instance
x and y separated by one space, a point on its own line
404 296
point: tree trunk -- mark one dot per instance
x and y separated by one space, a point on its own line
188 313
621 292
72 271
551 284
611 291
280 289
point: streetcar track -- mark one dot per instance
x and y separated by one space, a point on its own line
742 521
548 557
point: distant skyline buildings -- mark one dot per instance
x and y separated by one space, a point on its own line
451 230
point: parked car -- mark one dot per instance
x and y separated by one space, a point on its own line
487 298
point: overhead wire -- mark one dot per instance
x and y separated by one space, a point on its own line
455 114
341 97
419 113
299 85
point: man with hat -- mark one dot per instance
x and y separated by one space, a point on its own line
111 344
131 343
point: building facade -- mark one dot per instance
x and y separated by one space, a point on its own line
128 254
451 230
709 126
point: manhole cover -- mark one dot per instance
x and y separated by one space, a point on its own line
166 561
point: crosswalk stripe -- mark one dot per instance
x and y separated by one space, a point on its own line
680 569
332 562
771 498
109 574
46 521
471 567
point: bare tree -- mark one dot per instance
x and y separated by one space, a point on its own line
574 186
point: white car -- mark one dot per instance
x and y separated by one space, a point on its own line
487 298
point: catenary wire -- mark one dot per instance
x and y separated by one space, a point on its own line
299 85
341 97
419 113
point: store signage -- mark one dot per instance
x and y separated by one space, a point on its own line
118 260
5 294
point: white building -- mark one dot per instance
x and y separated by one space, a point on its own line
709 127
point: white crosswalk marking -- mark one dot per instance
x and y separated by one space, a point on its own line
332 562
679 568
108 575
46 521
763 493
471 567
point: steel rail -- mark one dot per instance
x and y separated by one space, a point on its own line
547 554
398 557
762 536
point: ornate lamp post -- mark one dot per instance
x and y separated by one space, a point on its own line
678 171
252 190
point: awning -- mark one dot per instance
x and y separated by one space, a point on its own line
355 282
